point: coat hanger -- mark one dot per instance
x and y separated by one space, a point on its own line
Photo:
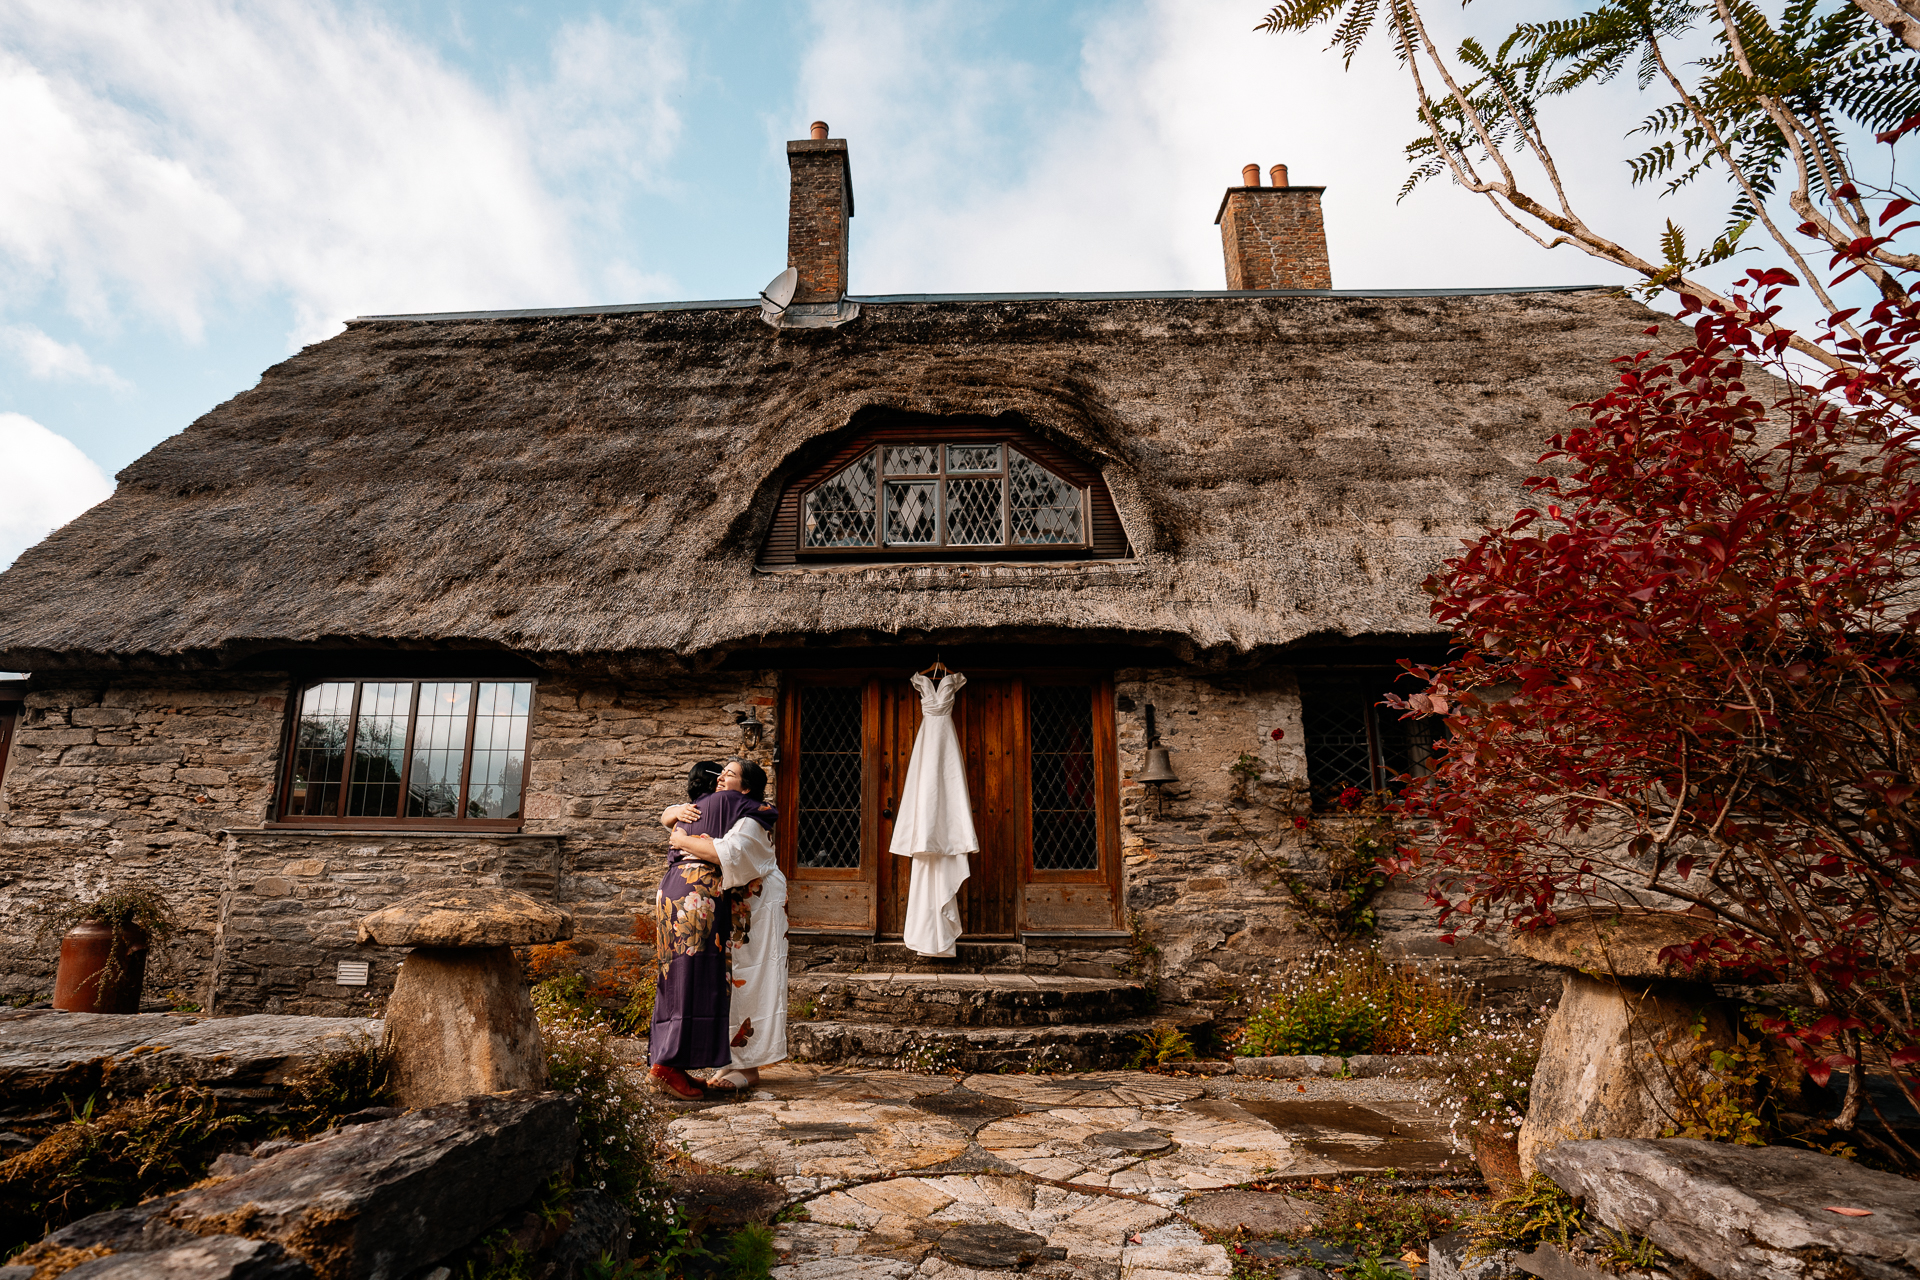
939 666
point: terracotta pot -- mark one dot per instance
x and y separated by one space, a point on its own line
1499 1161
84 955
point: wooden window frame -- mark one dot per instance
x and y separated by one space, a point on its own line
283 792
1005 549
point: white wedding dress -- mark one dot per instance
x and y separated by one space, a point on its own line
934 823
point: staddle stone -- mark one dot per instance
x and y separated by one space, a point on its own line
479 917
1609 942
461 1022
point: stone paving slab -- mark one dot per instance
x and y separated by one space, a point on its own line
887 1163
45 1052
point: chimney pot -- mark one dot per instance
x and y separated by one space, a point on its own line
1250 175
1279 172
818 129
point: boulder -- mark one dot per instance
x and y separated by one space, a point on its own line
460 1022
385 1199
597 1227
1608 942
210 1258
478 917
1605 1058
1746 1213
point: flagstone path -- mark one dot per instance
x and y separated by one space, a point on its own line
1072 1177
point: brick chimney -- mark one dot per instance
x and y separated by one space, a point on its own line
1273 236
821 203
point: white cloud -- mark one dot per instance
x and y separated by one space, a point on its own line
1120 191
49 358
49 482
167 161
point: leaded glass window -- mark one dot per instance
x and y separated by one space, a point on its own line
1060 736
829 802
936 496
1355 745
409 750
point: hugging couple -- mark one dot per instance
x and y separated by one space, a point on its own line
720 936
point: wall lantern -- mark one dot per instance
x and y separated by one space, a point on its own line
751 729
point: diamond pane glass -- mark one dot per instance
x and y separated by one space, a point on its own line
439 750
1060 729
1044 508
839 512
379 750
911 460
911 519
499 750
973 513
1334 710
829 800
963 459
320 750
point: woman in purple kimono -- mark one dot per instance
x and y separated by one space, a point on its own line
692 928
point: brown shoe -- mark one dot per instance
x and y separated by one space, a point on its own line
673 1080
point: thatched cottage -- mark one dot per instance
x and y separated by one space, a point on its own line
459 597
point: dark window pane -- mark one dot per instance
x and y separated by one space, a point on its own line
910 460
320 750
830 759
439 750
1060 730
839 513
1353 741
379 750
910 513
499 750
963 459
973 513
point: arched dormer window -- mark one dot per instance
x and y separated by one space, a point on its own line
946 491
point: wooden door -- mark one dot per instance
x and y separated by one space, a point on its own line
1042 786
986 717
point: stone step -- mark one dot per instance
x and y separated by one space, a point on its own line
1099 955
1059 1047
967 999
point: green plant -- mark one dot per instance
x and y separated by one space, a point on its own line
614 1104
1346 1002
181 1002
1537 1213
805 1009
340 1083
1143 960
1163 1045
132 1150
1719 1094
1373 1218
1336 902
1624 1250
930 1057
1489 1065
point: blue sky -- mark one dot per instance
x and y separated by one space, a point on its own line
191 190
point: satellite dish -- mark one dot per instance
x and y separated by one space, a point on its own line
779 292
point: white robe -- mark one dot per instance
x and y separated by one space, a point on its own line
759 967
934 825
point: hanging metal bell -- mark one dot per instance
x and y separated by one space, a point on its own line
1158 768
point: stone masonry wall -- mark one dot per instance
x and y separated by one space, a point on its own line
112 781
167 780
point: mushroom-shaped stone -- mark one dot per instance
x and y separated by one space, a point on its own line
460 1021
1624 1028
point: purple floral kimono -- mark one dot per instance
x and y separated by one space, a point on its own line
692 920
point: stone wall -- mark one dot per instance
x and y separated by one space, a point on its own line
167 780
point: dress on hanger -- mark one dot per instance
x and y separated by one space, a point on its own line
934 823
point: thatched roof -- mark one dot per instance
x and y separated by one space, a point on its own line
1287 468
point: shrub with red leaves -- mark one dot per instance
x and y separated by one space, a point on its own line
1687 674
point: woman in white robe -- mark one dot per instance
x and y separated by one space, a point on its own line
759 965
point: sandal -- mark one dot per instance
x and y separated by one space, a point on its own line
674 1081
729 1081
